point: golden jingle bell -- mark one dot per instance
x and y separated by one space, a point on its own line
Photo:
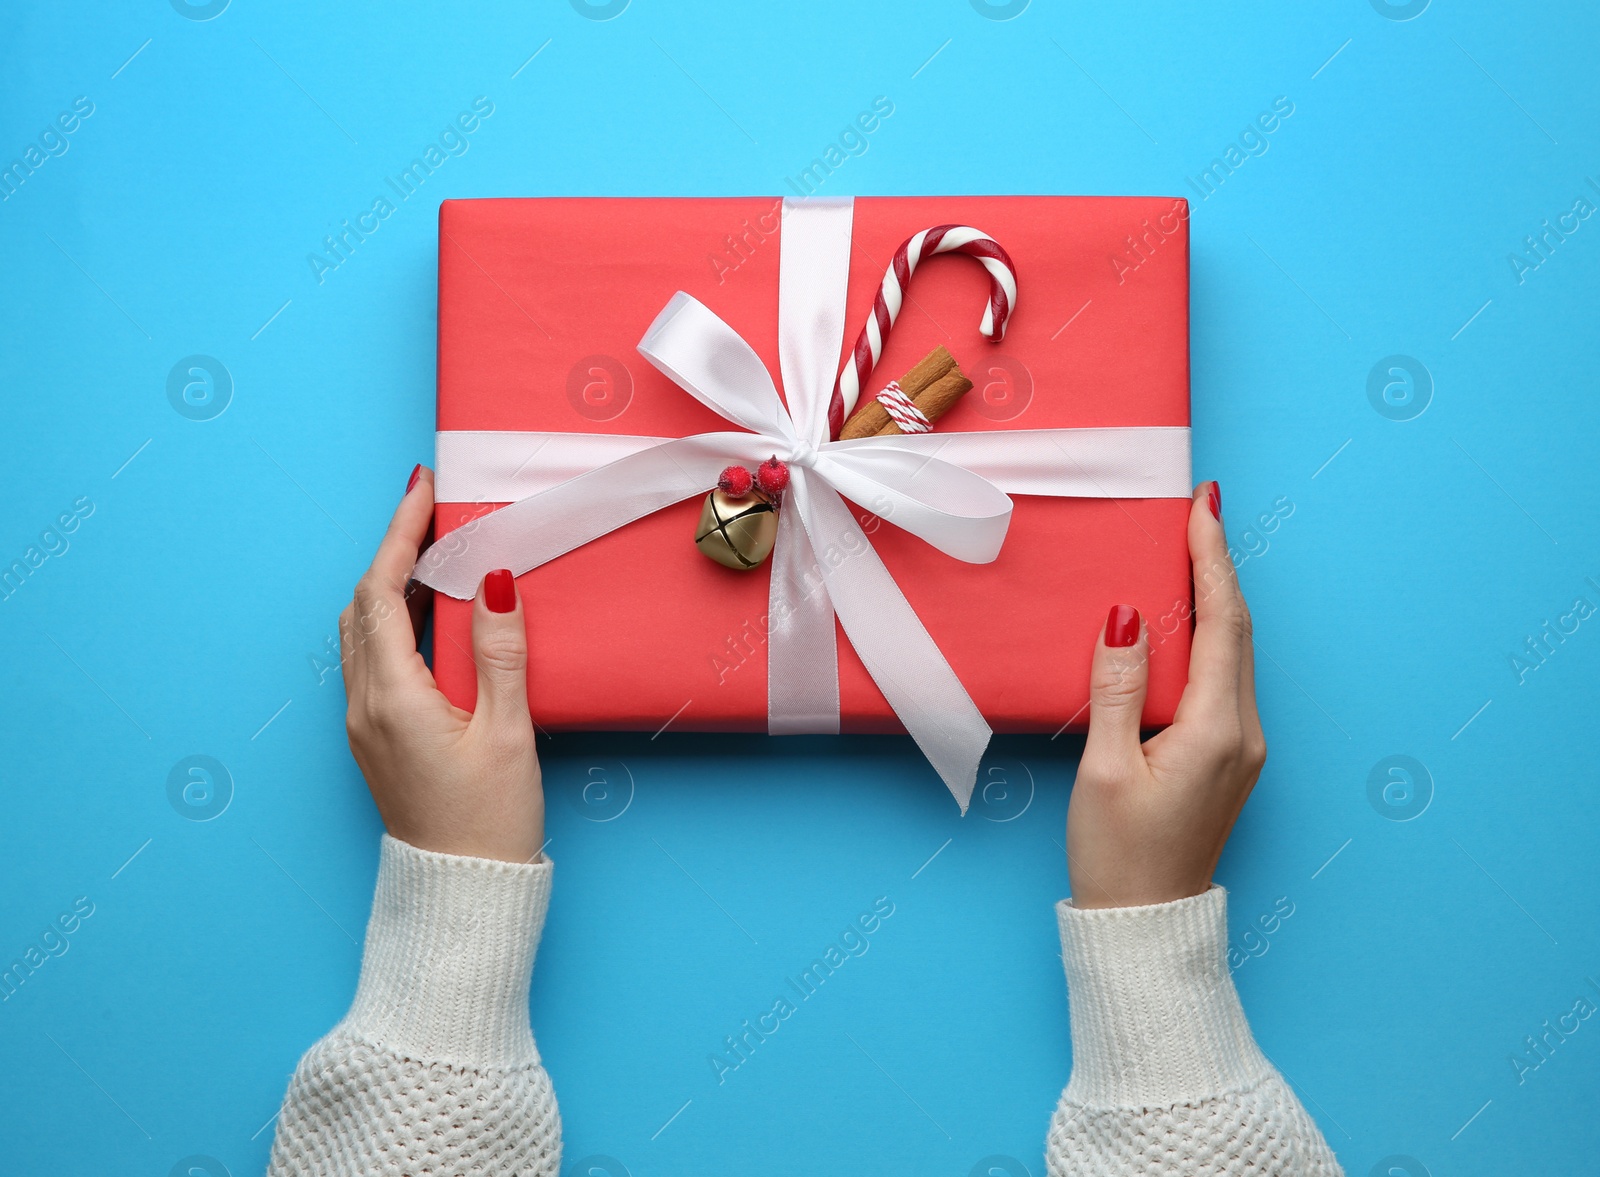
737 533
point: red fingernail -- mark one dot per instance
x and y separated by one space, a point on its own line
500 591
1122 626
416 473
1214 501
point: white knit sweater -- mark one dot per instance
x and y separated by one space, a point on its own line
1166 1077
434 1072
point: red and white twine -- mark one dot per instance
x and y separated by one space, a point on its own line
886 307
902 410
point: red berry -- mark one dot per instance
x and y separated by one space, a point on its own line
772 476
735 481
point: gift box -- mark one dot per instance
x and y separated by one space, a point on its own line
542 306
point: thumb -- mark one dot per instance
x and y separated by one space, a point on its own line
1117 681
500 651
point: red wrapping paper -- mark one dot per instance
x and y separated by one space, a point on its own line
637 630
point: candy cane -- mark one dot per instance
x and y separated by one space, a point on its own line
886 307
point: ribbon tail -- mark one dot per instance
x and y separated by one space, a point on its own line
802 646
889 637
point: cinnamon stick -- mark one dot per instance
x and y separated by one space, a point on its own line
870 417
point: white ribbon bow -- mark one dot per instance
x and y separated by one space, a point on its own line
947 488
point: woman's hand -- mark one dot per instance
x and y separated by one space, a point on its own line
444 779
1147 822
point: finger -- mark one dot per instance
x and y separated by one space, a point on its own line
419 604
1247 677
1249 717
419 599
1118 678
1222 624
349 654
500 650
390 646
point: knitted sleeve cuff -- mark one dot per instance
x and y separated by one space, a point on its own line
449 955
1155 1017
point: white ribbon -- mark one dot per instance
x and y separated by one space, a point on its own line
566 489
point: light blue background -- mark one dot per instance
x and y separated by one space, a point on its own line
184 616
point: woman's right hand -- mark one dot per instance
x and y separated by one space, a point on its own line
1147 821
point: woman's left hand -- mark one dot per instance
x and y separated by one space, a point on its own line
444 779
